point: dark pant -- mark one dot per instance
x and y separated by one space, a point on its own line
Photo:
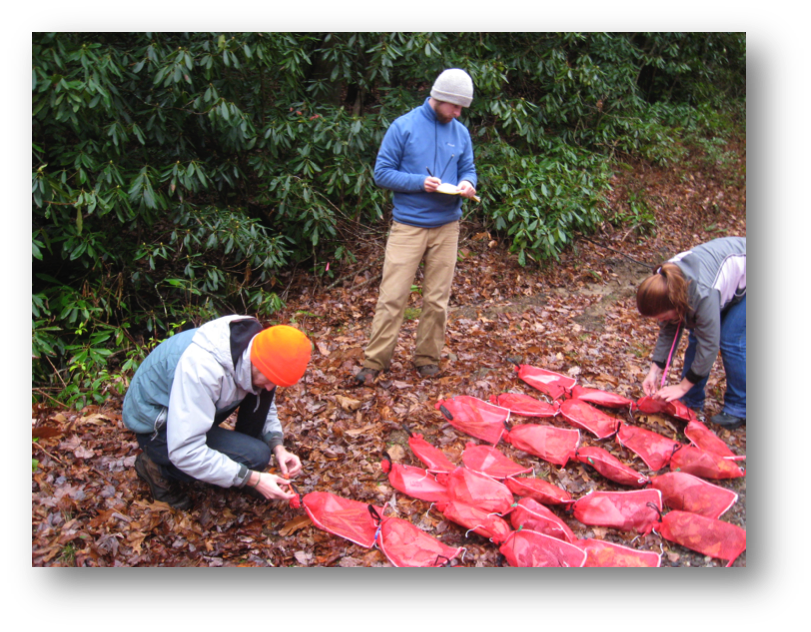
243 444
733 355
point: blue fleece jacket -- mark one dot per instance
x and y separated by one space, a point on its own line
414 144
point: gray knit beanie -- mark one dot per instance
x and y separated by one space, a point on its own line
453 86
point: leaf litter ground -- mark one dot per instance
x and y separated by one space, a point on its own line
576 317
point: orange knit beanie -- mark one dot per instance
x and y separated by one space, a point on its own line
281 353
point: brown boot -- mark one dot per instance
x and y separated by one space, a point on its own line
162 489
428 370
366 377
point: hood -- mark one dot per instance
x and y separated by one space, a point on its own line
215 338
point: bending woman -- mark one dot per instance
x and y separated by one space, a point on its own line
703 290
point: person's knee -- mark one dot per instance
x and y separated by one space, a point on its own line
251 452
258 456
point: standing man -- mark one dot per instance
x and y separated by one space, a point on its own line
191 383
421 150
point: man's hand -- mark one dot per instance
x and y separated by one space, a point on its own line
289 463
270 486
466 189
431 183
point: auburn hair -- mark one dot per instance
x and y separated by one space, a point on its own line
663 291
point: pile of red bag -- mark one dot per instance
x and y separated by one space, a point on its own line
499 499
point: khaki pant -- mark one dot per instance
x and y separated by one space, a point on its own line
405 249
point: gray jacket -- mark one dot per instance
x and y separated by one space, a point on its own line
716 276
184 384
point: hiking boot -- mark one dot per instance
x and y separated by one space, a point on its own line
428 370
366 377
730 422
162 489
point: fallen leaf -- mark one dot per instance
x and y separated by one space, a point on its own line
608 378
396 452
70 444
294 525
82 452
95 418
155 506
349 562
347 403
372 557
354 432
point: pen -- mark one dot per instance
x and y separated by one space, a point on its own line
446 165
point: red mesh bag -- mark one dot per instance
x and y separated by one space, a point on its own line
654 449
475 417
675 408
607 554
346 518
552 384
403 544
524 405
468 487
638 510
583 415
601 398
705 439
610 466
556 445
531 515
704 535
686 492
489 461
538 489
487 525
704 464
433 458
415 482
530 549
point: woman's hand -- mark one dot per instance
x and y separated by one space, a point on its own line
671 393
652 380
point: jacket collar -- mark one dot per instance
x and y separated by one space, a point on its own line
428 111
242 371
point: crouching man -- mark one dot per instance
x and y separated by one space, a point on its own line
191 383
